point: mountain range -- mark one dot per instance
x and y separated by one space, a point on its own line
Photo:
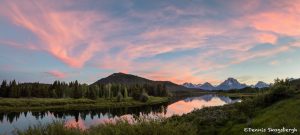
128 79
228 84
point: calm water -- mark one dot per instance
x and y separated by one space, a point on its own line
9 122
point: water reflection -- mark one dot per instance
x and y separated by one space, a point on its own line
86 118
11 121
189 104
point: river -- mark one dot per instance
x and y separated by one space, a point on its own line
10 122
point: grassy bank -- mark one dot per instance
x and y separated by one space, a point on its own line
38 104
282 114
151 127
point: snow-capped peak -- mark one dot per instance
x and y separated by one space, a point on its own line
191 85
228 84
231 83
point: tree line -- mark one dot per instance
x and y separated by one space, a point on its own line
74 89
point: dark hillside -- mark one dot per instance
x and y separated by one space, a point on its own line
128 79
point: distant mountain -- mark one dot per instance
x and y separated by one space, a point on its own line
190 85
261 84
229 84
207 86
128 79
232 83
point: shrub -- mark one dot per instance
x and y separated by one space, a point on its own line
144 97
119 96
136 95
145 127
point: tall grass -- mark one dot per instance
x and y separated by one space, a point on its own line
149 127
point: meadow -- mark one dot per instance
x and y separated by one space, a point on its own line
38 104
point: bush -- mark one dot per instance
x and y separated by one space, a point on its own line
136 95
144 97
119 96
140 95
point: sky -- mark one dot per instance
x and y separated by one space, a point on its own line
193 41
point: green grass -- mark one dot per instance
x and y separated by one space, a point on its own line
144 127
38 104
285 113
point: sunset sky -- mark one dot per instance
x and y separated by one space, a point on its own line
178 40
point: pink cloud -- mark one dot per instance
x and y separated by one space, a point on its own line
241 57
295 44
56 74
18 45
67 35
274 62
281 18
274 22
267 38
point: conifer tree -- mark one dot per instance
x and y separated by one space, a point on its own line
125 92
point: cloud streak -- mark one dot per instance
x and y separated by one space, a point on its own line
67 35
57 74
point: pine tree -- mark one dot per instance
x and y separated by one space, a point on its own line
119 96
125 92
164 90
13 92
109 91
53 93
101 92
27 91
3 89
77 91
97 90
92 94
159 90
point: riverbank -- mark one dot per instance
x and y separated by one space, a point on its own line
41 104
284 113
237 95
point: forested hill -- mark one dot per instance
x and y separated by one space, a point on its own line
296 83
128 79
